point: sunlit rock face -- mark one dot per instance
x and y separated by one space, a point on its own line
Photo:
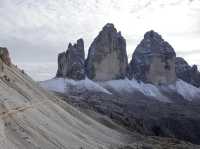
107 57
187 73
153 61
71 64
4 55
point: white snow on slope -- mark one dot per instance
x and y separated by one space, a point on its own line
57 85
188 91
132 85
66 85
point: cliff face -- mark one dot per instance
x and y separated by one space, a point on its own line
71 64
153 61
107 57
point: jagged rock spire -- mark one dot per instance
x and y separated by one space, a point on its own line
72 62
107 57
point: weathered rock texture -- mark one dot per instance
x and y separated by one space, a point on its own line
71 64
153 61
33 118
187 73
107 57
4 55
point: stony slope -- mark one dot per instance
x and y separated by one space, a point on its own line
155 94
30 118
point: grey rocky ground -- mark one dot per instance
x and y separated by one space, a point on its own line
144 114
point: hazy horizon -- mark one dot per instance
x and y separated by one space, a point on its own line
35 31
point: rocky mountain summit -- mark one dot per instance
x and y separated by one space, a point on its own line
72 62
107 57
153 61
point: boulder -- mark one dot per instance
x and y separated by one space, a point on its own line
71 64
187 73
153 61
4 55
107 57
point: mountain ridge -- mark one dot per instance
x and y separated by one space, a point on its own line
151 95
150 57
32 117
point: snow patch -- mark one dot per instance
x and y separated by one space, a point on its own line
56 84
130 86
67 85
83 85
188 91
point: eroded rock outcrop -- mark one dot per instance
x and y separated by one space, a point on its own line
4 55
107 57
153 61
187 73
71 64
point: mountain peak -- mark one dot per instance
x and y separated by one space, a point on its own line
109 25
109 28
152 35
107 57
71 63
153 60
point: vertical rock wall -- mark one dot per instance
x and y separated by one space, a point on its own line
71 64
153 61
107 57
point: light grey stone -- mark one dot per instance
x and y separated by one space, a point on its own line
107 57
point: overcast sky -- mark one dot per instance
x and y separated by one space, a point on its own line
35 31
